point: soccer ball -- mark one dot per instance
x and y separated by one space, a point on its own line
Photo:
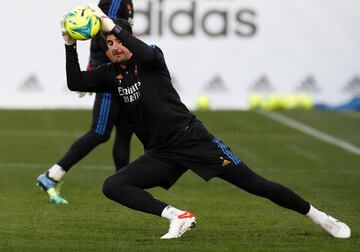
81 24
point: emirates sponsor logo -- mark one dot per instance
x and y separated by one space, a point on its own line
130 94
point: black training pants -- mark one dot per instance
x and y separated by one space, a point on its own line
106 114
209 157
127 188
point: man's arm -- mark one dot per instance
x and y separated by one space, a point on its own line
126 11
141 50
85 81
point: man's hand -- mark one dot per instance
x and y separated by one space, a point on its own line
67 38
107 25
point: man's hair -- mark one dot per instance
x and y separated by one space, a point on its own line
123 23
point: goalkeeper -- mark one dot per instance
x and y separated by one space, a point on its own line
174 139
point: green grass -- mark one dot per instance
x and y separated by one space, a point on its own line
228 219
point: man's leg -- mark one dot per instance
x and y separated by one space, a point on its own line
243 177
127 187
121 146
80 148
105 112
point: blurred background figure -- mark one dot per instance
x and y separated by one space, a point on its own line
106 114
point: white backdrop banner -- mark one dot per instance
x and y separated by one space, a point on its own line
225 49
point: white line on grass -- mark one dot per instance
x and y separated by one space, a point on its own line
311 131
307 154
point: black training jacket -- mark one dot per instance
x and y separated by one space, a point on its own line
150 103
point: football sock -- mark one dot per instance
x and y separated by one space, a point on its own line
170 212
316 216
56 172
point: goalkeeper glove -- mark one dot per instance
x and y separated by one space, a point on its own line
107 25
67 38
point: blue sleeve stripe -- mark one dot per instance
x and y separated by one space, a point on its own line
114 8
104 113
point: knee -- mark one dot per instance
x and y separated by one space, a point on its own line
109 187
98 138
114 187
103 138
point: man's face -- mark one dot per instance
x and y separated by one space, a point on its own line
116 51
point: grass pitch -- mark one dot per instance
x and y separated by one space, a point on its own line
228 219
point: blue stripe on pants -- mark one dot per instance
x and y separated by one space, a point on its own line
104 113
114 8
227 151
